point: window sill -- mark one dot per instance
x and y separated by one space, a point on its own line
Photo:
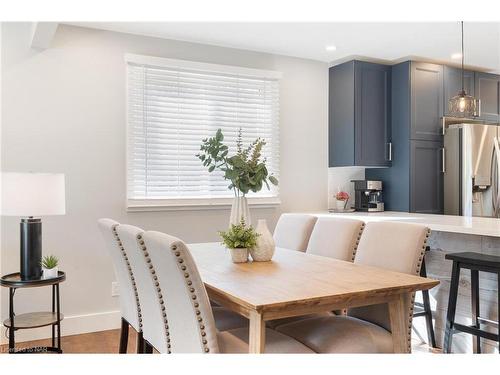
141 205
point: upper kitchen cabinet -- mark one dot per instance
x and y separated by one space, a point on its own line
487 90
426 101
453 84
359 114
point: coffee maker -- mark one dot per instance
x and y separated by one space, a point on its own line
368 196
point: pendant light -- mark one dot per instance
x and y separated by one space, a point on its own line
463 105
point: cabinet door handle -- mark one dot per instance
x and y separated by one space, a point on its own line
389 158
443 160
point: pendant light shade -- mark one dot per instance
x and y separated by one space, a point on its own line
463 105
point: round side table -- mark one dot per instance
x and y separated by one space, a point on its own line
34 319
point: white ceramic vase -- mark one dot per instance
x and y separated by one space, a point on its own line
340 205
240 210
239 255
264 250
50 273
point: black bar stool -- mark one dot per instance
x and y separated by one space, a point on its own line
424 309
475 262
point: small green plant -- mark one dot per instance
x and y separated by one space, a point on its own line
239 236
49 262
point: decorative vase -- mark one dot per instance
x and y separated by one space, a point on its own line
264 249
239 255
240 210
340 205
50 273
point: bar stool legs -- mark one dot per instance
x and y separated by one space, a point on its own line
452 307
475 307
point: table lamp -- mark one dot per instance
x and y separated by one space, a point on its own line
32 195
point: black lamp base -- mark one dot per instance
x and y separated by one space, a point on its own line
31 248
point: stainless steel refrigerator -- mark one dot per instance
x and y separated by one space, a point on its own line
471 168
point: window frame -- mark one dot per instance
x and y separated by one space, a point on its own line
188 203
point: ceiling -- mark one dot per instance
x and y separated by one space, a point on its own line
391 42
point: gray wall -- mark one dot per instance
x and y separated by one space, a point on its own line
64 111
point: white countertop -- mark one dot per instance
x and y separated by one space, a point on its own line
481 226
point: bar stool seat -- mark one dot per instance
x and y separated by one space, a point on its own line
475 262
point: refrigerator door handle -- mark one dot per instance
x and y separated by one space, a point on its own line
443 160
495 177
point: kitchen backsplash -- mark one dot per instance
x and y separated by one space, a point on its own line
339 178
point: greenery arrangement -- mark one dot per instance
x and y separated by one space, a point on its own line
246 170
49 262
239 236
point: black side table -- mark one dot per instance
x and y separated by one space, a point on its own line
35 319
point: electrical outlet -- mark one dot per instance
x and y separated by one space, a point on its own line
115 289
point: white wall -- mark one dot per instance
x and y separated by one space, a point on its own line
64 111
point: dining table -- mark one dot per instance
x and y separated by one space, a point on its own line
295 283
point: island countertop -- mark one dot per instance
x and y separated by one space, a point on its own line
481 226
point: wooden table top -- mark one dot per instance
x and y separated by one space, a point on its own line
295 277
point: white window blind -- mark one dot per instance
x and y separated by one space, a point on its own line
173 105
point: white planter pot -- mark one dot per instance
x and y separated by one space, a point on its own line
239 255
50 273
340 205
264 250
239 210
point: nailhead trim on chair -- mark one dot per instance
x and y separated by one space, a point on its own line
142 245
412 301
124 254
194 298
355 248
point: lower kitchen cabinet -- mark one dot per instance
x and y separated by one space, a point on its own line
426 177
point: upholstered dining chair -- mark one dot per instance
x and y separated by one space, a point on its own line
147 287
335 237
293 231
130 308
394 246
331 237
186 322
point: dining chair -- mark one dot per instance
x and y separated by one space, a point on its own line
293 231
189 325
130 308
335 237
331 237
147 288
394 246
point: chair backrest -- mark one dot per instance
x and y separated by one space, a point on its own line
129 298
335 237
397 247
190 318
154 318
293 231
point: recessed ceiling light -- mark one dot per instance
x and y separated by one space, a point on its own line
456 56
330 48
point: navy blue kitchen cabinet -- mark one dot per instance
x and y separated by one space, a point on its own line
414 183
453 84
359 114
487 90
426 177
427 105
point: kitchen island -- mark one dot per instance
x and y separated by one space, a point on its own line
451 234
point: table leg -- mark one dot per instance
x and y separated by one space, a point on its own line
257 334
11 317
398 317
53 311
58 319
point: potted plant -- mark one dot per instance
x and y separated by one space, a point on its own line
341 200
238 239
246 170
49 266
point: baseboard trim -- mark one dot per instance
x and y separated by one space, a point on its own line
71 325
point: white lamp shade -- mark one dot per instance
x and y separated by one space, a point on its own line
33 194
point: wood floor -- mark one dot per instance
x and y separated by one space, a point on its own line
107 342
